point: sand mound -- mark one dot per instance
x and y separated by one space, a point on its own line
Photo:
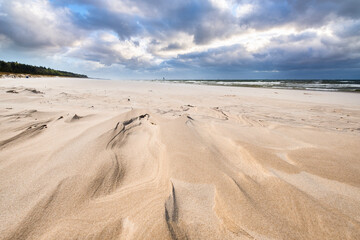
210 173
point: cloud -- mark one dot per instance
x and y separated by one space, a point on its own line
347 29
193 35
99 19
306 50
301 14
200 18
107 49
36 23
173 46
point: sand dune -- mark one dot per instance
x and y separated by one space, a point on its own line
88 159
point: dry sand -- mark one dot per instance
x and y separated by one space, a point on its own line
91 159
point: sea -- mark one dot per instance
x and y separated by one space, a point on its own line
315 85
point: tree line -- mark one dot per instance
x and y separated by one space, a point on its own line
15 67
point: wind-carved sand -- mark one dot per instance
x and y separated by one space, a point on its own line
89 159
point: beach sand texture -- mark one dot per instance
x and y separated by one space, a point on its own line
92 159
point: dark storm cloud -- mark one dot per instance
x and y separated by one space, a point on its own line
293 38
348 30
158 18
282 55
300 13
99 19
173 46
204 20
200 19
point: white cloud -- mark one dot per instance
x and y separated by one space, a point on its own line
106 48
244 9
222 4
37 22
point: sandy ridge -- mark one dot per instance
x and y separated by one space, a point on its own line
135 160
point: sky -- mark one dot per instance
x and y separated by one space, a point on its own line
185 39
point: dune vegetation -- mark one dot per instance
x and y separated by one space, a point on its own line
18 68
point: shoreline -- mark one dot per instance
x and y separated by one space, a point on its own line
335 85
332 97
206 83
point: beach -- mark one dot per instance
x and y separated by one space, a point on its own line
106 159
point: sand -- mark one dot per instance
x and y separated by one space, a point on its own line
96 159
